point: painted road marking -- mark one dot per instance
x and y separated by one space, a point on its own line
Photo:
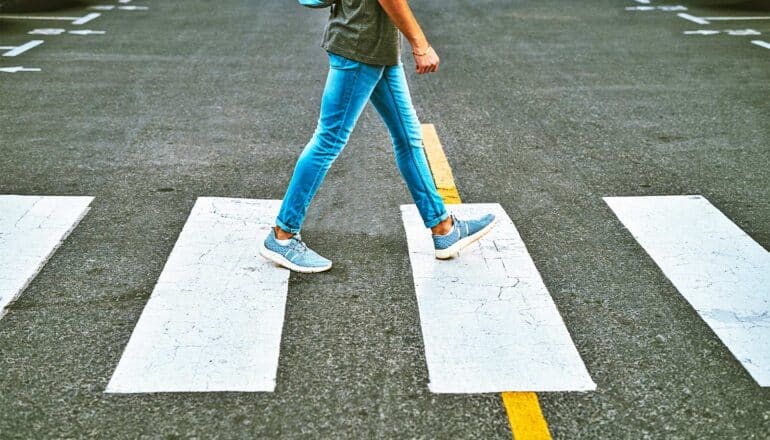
488 322
657 8
718 268
86 32
75 20
124 8
214 319
58 31
708 20
19 69
734 32
31 229
761 43
523 409
18 50
525 416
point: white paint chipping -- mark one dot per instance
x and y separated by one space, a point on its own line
214 319
31 229
488 322
761 43
718 268
18 50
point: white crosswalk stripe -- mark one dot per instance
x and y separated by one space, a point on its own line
488 321
31 228
214 319
718 268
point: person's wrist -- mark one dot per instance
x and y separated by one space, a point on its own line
421 52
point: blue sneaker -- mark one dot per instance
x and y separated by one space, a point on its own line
463 233
295 256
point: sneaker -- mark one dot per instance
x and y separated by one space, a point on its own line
295 256
463 233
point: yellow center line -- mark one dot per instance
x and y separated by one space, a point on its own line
523 409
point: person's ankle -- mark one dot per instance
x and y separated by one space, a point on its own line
443 227
280 234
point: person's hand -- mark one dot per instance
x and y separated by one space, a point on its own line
426 60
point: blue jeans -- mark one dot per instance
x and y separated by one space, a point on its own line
349 85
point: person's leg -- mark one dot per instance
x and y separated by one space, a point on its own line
393 102
348 87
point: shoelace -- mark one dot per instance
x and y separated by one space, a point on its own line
297 243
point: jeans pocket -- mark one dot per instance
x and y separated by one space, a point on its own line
341 63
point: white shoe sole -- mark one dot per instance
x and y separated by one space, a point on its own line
282 261
451 251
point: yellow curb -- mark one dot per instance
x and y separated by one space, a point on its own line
523 409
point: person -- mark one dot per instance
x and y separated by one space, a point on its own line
363 45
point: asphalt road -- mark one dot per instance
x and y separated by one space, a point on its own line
542 106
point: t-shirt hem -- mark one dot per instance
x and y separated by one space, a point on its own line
353 55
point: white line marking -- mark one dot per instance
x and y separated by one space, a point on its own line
736 18
718 268
214 319
732 32
87 32
693 18
86 18
47 31
708 20
761 43
657 8
31 229
644 2
134 8
18 50
488 322
75 20
19 69
103 7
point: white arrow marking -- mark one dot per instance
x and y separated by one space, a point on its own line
693 18
19 69
86 18
23 48
75 20
742 32
87 32
761 43
47 31
701 32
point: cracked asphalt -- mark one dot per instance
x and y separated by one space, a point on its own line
542 106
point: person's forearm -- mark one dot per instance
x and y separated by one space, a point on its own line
401 15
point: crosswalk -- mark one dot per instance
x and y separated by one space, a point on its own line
31 228
214 319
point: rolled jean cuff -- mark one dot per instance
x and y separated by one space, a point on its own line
285 227
437 220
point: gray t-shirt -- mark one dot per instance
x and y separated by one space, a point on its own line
362 31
